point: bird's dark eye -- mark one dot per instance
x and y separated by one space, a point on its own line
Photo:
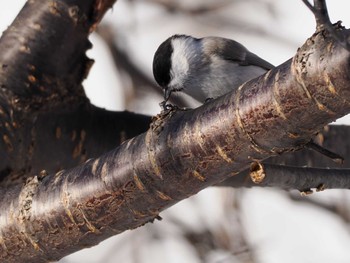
162 63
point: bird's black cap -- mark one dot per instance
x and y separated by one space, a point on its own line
162 63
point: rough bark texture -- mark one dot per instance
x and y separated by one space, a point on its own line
42 65
58 140
332 137
36 78
304 169
43 109
183 152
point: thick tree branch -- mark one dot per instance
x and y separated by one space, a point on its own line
183 152
42 64
33 77
53 215
64 138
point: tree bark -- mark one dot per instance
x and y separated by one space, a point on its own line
42 65
64 138
182 153
55 214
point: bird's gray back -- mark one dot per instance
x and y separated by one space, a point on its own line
211 78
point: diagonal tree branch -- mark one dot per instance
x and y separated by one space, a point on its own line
183 152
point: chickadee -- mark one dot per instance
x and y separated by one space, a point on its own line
204 67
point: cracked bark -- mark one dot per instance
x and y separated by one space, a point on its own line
55 214
42 65
182 153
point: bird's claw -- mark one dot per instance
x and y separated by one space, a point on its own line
167 107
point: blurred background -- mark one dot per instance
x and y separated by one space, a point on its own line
216 225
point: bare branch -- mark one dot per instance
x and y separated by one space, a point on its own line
183 153
320 11
290 177
173 6
334 156
310 6
332 137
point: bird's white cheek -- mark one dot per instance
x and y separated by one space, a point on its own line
180 64
178 74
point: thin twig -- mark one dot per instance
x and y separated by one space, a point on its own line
318 148
310 6
320 11
174 6
289 177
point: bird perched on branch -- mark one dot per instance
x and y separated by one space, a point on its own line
204 67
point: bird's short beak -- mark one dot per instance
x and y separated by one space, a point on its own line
167 93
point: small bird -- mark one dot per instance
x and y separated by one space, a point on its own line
204 68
